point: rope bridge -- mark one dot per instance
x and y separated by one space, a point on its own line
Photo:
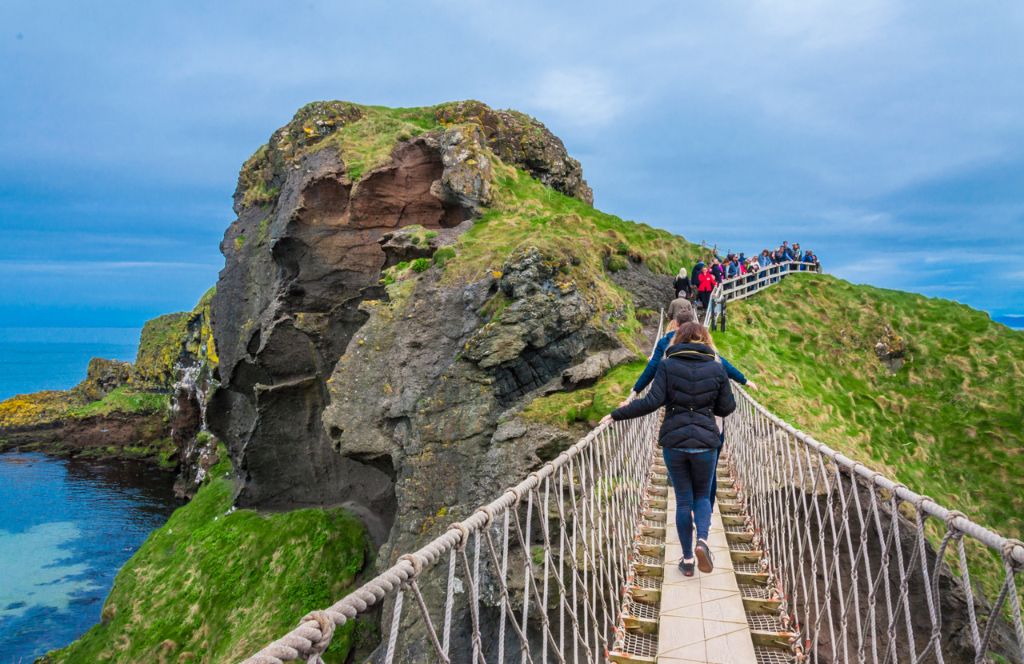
835 561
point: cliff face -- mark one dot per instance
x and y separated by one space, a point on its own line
398 285
313 206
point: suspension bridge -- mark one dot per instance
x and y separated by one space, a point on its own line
818 558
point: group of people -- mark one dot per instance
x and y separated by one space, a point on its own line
699 283
691 381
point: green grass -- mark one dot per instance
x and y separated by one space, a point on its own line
527 212
367 143
124 399
587 405
215 587
947 424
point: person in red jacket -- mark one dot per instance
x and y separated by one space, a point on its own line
707 284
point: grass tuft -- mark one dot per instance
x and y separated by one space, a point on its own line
587 405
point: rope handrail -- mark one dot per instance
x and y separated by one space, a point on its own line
929 506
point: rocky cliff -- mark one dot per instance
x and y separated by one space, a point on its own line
398 285
407 295
335 298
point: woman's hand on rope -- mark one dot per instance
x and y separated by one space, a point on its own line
751 384
607 419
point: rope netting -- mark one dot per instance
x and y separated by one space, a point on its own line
870 571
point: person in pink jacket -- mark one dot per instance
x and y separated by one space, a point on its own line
707 284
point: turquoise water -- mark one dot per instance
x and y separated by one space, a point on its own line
66 528
55 358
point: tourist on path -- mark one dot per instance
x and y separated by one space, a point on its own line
706 285
680 304
695 275
693 388
681 284
685 314
718 271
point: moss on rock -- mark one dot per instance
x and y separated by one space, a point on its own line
38 408
160 348
588 405
124 399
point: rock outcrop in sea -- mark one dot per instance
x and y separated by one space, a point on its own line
150 409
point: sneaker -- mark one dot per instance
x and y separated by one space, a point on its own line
705 561
686 567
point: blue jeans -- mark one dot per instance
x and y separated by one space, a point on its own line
714 480
714 472
691 474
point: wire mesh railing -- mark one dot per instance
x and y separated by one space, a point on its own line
870 570
537 575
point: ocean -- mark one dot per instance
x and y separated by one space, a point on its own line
66 526
55 358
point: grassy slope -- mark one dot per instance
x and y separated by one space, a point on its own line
214 587
588 405
947 424
587 244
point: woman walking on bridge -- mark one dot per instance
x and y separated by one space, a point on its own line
693 388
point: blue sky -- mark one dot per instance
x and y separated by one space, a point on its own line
885 135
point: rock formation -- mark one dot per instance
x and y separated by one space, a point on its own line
356 368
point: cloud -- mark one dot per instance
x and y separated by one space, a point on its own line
80 268
820 25
584 96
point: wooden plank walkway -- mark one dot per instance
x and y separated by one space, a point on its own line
702 619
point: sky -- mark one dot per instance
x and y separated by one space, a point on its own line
885 135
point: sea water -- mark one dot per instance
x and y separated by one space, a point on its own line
66 526
56 358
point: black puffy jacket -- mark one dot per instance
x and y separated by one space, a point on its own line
694 388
